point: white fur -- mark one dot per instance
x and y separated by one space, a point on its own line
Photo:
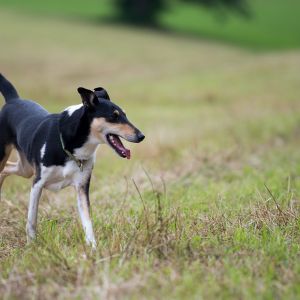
88 149
43 150
83 210
72 109
59 177
35 195
56 178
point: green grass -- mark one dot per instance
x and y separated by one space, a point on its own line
273 24
222 127
90 9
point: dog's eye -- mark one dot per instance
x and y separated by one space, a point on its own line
116 114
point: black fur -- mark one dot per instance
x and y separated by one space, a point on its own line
7 89
101 93
28 126
47 140
87 190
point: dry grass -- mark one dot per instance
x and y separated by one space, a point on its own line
209 205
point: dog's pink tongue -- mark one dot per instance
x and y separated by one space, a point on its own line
127 152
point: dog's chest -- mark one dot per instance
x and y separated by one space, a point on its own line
59 177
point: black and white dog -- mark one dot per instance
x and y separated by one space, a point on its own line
59 149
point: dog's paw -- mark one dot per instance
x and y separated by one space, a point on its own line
31 234
92 244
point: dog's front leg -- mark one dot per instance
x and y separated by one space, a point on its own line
35 195
84 212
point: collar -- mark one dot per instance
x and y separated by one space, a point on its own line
78 162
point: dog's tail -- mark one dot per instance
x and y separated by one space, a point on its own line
7 89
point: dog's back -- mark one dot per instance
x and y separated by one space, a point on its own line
17 108
19 119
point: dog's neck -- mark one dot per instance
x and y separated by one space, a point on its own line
87 150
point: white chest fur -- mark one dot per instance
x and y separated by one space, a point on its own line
58 177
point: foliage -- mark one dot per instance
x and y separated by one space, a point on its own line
139 11
146 11
273 24
240 6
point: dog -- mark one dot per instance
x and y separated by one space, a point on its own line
59 150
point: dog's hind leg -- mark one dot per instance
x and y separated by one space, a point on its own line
5 151
21 168
4 155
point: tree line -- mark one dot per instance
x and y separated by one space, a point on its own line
146 11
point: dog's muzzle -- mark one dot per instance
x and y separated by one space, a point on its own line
139 137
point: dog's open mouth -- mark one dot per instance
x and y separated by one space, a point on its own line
115 142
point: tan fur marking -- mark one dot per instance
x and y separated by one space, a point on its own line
100 125
21 167
97 127
8 150
122 129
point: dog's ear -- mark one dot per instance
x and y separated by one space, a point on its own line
88 97
101 93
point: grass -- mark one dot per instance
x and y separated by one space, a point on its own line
207 208
272 24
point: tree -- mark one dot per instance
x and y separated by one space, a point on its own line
139 11
146 11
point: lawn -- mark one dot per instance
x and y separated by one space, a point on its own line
209 205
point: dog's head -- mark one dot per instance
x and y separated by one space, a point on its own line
107 122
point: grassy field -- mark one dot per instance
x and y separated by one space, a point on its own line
207 208
272 23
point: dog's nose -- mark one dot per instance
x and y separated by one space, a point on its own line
140 137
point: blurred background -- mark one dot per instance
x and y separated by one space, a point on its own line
213 84
185 71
